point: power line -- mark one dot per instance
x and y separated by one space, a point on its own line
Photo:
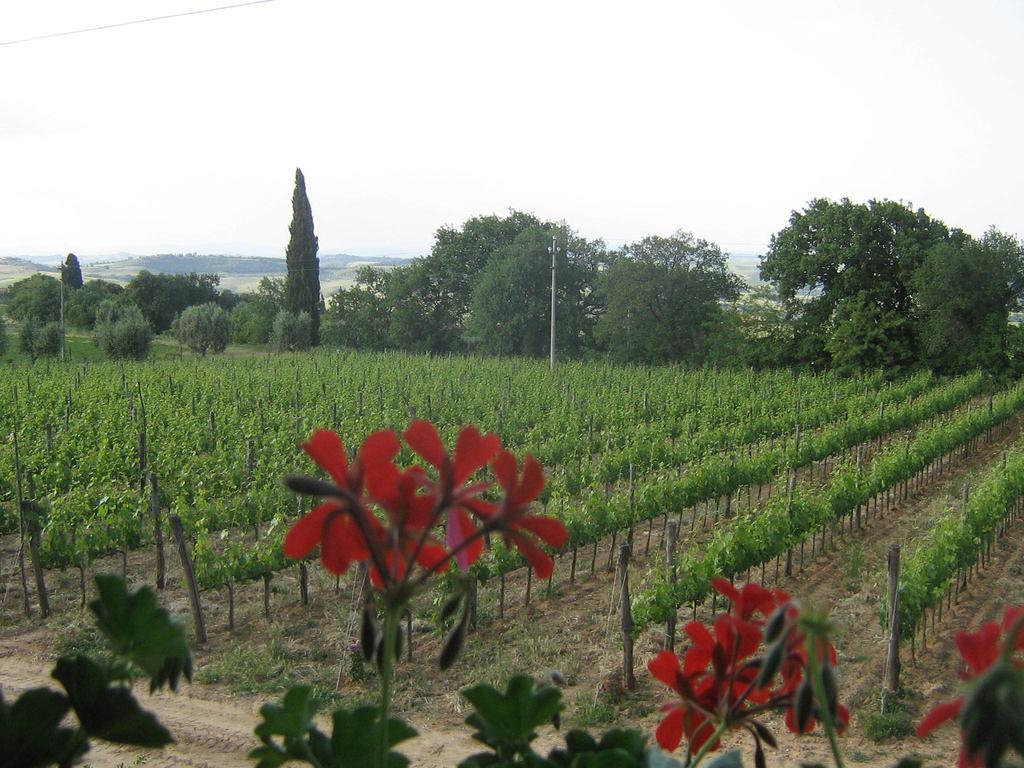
135 21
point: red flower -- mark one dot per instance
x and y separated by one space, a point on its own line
979 651
691 717
331 524
472 452
750 599
514 518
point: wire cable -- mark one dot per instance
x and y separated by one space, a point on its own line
135 21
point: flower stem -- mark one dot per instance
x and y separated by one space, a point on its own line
706 747
391 618
818 681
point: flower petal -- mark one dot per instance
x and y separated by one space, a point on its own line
549 530
422 437
506 470
670 731
979 649
531 483
724 587
473 451
940 713
541 563
328 451
305 534
665 667
460 528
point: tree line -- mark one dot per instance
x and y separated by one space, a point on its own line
848 286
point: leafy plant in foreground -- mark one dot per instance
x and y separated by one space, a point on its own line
145 640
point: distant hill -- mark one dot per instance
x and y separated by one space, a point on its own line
237 273
14 268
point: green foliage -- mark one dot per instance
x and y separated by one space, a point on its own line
40 339
71 272
302 285
895 723
122 333
163 297
3 337
32 730
34 298
289 733
141 632
842 266
663 297
203 328
252 320
291 332
431 298
80 306
507 723
511 301
965 290
360 317
47 340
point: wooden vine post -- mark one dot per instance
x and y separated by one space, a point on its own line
35 534
627 620
190 579
158 532
892 661
670 629
26 603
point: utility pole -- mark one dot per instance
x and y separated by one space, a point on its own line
553 358
63 341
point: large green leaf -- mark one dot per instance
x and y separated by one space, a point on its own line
107 711
141 631
31 734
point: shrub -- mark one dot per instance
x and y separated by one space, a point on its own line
48 340
203 328
122 333
291 332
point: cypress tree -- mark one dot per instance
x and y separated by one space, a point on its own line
302 283
71 272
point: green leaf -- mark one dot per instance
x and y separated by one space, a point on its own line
506 722
107 712
354 742
356 738
30 732
141 631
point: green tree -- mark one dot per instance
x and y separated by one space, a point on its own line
360 316
203 328
47 340
965 291
432 297
163 297
291 332
755 330
122 331
71 272
663 297
253 318
511 306
36 298
80 307
3 337
302 284
837 265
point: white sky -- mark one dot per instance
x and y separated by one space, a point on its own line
624 118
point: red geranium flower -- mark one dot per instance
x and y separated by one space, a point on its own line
472 452
331 524
514 518
980 650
